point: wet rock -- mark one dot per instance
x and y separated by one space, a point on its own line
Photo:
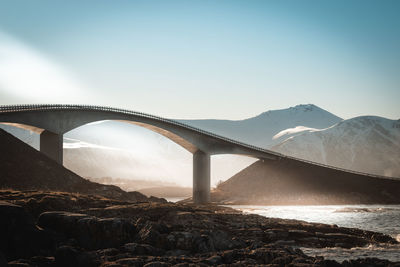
108 252
90 232
37 261
130 262
228 256
111 264
223 241
181 240
142 249
276 234
3 261
310 241
214 260
150 235
203 244
282 261
177 252
366 262
19 263
20 238
298 234
381 238
156 264
69 256
41 261
328 263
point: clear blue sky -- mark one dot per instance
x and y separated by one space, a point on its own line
203 59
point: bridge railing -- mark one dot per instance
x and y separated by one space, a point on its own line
32 107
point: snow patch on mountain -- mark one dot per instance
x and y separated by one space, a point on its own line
367 144
260 130
295 130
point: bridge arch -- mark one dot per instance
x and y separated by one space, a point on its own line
52 121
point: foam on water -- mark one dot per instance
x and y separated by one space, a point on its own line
378 218
388 252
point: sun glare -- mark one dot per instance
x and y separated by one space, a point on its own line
26 73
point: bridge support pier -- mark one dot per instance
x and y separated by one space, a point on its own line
201 177
51 144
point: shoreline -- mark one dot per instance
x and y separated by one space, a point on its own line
98 231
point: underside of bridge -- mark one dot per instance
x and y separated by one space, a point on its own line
52 121
51 144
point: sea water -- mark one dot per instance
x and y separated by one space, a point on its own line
378 218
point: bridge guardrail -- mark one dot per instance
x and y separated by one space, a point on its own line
18 108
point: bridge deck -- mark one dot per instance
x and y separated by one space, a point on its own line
57 107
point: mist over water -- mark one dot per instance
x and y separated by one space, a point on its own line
378 218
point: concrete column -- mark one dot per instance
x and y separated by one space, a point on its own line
51 144
201 177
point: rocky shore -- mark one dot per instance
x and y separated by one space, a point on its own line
66 229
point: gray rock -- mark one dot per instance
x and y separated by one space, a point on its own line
142 249
20 238
90 232
130 262
150 234
214 260
156 264
69 256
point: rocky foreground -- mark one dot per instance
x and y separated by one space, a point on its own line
66 229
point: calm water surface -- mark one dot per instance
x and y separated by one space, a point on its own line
379 218
175 199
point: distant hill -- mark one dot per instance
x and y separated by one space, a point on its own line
367 144
259 130
133 185
167 191
24 168
290 182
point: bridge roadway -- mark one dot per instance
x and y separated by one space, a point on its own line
53 121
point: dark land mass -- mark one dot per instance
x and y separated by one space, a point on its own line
292 182
49 216
24 168
67 229
133 184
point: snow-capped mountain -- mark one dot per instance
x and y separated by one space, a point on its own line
367 144
260 130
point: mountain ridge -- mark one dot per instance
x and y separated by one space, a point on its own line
368 144
260 129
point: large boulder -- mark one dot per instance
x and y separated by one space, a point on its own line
20 238
67 256
90 232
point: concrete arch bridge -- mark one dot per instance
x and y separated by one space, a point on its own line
52 121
